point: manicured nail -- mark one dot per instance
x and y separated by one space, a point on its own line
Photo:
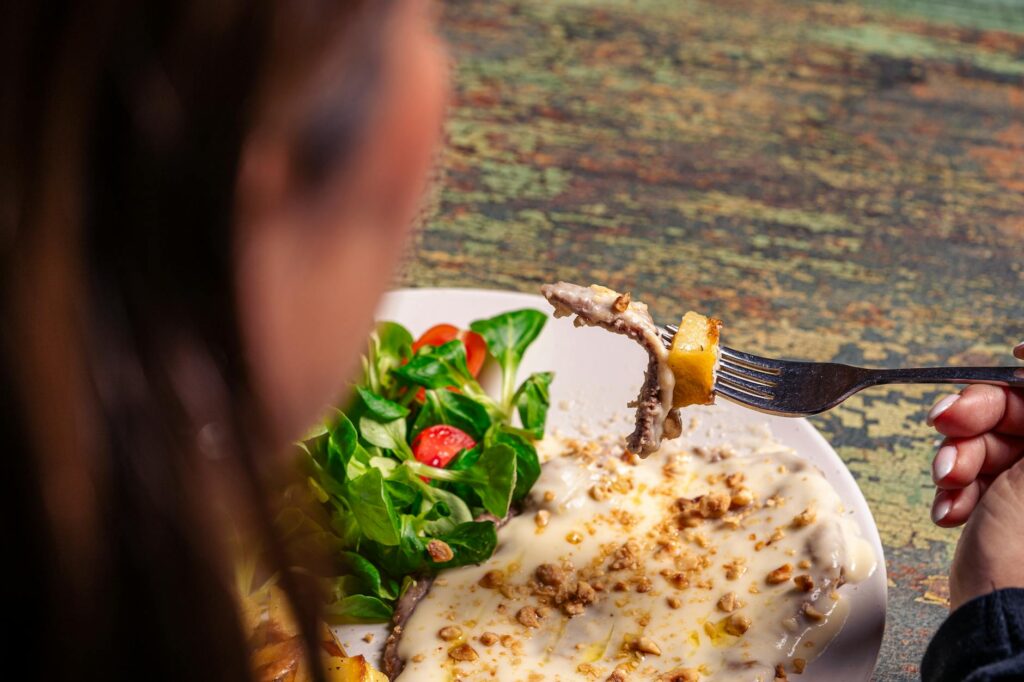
1018 351
945 459
940 507
941 406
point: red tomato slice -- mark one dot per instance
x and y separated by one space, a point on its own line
437 445
440 334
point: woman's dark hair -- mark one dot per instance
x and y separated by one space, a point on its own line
121 131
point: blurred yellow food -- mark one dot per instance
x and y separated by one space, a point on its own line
278 654
693 359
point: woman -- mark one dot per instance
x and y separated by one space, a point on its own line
201 204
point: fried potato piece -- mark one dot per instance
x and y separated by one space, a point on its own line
279 655
693 359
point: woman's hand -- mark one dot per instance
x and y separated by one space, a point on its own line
980 477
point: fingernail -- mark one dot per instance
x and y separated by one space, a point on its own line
940 507
945 459
1018 351
941 406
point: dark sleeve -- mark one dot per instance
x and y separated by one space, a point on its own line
981 641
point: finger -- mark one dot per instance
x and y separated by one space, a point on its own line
973 411
959 461
1012 423
1018 351
953 507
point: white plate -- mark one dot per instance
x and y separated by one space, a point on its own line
596 374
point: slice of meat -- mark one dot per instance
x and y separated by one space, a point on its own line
406 604
599 306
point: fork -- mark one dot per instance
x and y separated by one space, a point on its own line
799 389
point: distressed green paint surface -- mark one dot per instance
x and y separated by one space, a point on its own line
836 181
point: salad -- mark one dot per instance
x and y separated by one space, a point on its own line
412 474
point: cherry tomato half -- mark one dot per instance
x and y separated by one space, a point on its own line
440 334
437 445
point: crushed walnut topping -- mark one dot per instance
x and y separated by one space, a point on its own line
737 624
463 652
449 633
439 551
646 645
812 613
528 616
780 575
728 602
804 582
804 518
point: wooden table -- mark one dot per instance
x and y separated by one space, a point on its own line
836 182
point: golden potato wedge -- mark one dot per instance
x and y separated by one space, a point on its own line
693 360
352 669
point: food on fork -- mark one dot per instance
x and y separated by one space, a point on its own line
677 377
693 359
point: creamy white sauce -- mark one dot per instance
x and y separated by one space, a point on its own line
671 598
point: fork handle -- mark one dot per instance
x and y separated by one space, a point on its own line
999 376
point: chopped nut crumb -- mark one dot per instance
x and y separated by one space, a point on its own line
622 303
488 638
804 518
620 674
550 575
449 633
804 564
714 505
812 613
528 616
798 665
681 675
735 568
804 582
741 498
541 518
780 575
780 673
549 495
728 602
439 551
645 645
463 652
674 602
418 658
492 579
626 557
599 492
737 624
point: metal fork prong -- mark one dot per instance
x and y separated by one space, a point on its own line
740 384
754 361
743 398
745 371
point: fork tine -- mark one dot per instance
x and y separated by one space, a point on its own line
755 361
747 372
741 384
